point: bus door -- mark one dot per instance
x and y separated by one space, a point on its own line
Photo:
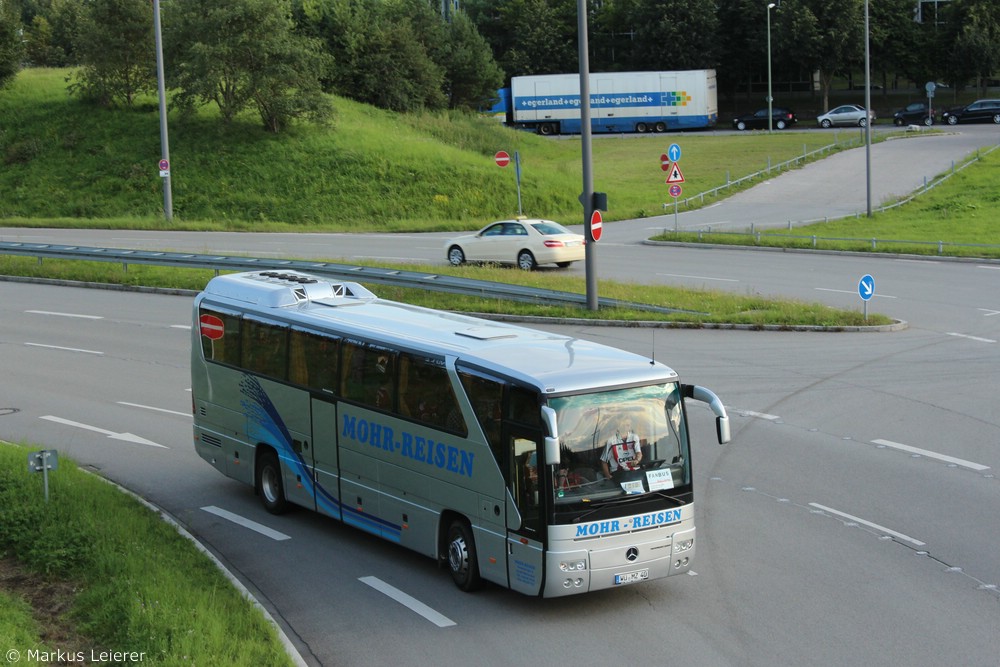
326 466
525 547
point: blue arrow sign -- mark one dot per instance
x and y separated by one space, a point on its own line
674 152
866 287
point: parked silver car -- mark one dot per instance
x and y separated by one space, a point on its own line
846 114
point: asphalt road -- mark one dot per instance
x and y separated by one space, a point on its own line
852 520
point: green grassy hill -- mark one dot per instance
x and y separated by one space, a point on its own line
65 163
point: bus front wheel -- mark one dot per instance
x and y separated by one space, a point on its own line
462 556
270 486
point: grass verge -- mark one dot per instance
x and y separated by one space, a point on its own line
707 307
132 586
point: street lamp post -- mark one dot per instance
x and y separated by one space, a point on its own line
770 99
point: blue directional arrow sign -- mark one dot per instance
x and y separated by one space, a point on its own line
674 152
866 287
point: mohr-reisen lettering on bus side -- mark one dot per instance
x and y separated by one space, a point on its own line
416 447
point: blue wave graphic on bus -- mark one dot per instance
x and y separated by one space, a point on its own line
673 98
264 424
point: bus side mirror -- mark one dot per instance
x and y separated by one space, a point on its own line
722 429
707 396
552 439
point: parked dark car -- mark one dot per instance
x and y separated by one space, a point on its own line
980 111
780 119
915 113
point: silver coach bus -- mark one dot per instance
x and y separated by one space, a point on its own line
540 462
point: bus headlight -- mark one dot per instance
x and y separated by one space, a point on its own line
573 565
683 545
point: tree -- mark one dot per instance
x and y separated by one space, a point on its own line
673 35
241 54
530 36
11 49
822 36
472 77
114 46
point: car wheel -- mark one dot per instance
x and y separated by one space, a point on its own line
741 126
780 125
826 123
996 118
928 121
525 260
863 122
641 127
898 122
661 127
455 256
953 120
270 486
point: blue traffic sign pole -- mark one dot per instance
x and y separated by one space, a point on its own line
866 290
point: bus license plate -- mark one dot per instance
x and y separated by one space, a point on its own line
631 577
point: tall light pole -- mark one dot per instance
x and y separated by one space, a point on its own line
168 199
770 98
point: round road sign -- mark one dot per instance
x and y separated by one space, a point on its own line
596 224
502 158
664 162
164 165
675 190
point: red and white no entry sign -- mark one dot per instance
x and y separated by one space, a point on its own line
596 225
502 158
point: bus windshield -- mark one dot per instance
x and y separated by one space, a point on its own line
622 442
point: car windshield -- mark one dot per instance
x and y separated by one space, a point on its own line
549 228
619 443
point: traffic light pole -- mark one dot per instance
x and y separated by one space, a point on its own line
587 196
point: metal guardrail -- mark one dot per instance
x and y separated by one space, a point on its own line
361 274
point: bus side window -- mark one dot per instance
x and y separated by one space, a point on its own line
425 391
225 349
312 360
486 396
265 348
368 375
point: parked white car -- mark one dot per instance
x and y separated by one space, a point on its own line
524 242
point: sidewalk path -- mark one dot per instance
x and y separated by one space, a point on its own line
833 187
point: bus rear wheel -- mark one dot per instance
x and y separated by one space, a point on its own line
462 561
270 486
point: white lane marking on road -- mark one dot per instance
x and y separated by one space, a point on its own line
150 407
49 312
968 337
846 291
408 601
181 326
758 415
989 312
246 523
127 437
681 275
931 455
881 529
65 349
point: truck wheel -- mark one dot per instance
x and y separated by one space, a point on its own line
270 486
462 560
641 127
546 129
661 127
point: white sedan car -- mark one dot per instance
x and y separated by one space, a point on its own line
524 242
